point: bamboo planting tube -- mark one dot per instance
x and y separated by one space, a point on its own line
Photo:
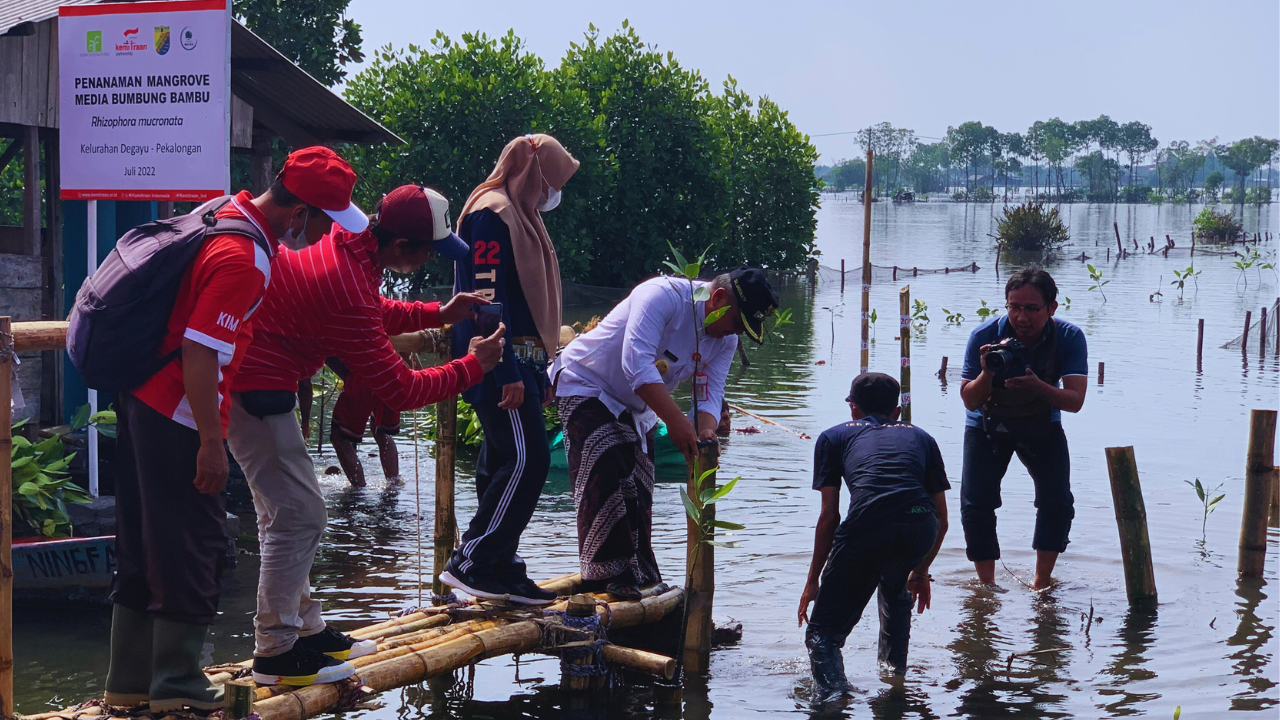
446 528
34 336
659 666
904 309
841 276
518 637
1131 519
1262 336
865 356
1244 339
6 514
1257 493
700 567
1119 245
1102 372
237 701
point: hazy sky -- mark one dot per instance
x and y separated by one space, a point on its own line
1191 70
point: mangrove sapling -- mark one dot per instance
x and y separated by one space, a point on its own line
1096 276
1157 294
1181 278
42 486
985 312
919 314
953 318
872 317
1208 500
1243 263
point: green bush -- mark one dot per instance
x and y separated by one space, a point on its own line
1220 226
982 193
1031 227
663 158
1258 195
41 485
1155 197
1135 194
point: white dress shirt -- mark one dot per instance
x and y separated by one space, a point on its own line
648 338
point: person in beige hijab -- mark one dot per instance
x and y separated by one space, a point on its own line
512 263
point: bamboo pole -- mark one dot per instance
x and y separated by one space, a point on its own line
1119 245
700 568
446 528
6 514
841 276
1102 372
36 336
1262 335
659 666
237 700
1244 339
865 355
517 637
904 321
581 606
1199 344
1259 464
1131 519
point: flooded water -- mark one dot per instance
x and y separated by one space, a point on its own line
1210 647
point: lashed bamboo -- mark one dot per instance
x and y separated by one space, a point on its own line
643 661
43 335
6 513
518 637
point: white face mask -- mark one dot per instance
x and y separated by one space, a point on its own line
296 240
551 201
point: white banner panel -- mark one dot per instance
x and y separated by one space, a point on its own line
145 100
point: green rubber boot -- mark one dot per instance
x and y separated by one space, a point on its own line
177 679
129 676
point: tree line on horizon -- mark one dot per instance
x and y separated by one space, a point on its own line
1097 160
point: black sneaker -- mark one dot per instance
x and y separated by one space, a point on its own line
337 645
485 587
299 667
526 592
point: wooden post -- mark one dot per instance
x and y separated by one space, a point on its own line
6 514
904 322
865 357
581 606
1108 254
260 175
1244 339
237 699
1199 343
1262 335
1259 465
446 529
1131 518
998 249
942 371
31 213
1102 372
700 566
1119 245
841 276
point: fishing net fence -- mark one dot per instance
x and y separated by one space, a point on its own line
885 273
1263 329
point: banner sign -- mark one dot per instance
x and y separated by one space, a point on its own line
145 100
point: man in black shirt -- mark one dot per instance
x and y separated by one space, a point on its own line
897 518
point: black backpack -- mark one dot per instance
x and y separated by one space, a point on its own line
121 313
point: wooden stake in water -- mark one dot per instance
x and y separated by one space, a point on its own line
1244 339
1259 464
446 528
866 269
841 276
1119 245
1262 334
942 371
1131 519
904 322
6 515
1102 372
1199 344
700 568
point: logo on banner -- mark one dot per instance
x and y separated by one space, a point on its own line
162 39
130 46
93 41
188 39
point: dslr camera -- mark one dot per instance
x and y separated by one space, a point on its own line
1006 359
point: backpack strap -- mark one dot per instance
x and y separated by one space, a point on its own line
237 226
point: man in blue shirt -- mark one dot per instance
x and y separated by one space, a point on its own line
1021 414
895 525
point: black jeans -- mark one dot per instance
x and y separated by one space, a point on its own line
1042 448
170 538
510 472
863 558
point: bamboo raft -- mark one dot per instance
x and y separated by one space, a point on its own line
432 642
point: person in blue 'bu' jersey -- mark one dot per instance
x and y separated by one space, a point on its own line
512 263
896 521
1018 409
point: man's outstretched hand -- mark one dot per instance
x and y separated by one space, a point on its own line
488 350
461 307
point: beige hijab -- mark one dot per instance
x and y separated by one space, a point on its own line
513 191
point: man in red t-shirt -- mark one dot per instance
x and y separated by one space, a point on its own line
325 302
171 460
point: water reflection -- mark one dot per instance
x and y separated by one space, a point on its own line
1250 661
1129 667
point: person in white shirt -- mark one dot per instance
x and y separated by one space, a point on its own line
612 386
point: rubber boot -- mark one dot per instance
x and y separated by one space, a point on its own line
178 681
827 663
129 676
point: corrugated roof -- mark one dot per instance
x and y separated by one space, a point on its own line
284 97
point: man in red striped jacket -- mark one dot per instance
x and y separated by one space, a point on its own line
324 302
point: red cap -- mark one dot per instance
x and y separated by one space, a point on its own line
319 177
420 213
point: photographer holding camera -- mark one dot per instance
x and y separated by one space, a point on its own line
1012 368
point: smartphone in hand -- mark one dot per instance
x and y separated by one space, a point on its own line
487 318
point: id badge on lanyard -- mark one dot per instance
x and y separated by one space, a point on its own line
701 383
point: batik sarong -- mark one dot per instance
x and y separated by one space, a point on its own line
612 479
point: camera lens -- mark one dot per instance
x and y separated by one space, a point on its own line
997 360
